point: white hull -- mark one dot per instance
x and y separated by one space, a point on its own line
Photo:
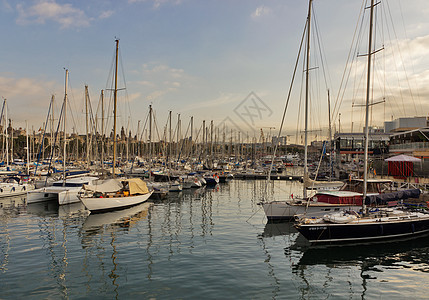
62 194
67 194
105 204
282 210
14 189
175 187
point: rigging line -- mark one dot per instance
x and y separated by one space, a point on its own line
127 101
408 46
287 102
300 106
320 47
183 141
156 125
398 105
198 134
97 111
109 88
393 53
60 117
144 127
401 59
44 132
70 95
346 75
90 112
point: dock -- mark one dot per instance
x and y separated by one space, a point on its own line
264 177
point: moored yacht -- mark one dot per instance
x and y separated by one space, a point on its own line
13 186
64 191
114 194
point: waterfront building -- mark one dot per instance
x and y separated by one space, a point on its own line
412 142
350 145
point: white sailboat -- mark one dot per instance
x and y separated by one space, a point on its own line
287 209
114 193
64 191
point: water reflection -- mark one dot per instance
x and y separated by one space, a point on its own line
12 206
124 218
101 237
409 252
274 229
54 223
53 209
388 262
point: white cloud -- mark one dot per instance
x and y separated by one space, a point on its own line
224 100
28 99
400 78
261 11
134 96
6 6
106 14
157 3
48 10
160 79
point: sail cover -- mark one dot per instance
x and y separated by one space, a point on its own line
383 199
105 186
137 186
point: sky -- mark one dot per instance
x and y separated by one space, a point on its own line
230 62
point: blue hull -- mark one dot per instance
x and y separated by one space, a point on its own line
353 232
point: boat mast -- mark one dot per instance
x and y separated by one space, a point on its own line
330 137
178 135
368 85
306 99
102 128
2 123
7 133
127 140
52 125
150 132
87 127
170 139
115 92
28 150
192 138
11 141
65 136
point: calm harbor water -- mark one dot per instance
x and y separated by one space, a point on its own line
201 244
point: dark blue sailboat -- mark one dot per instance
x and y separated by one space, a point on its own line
369 225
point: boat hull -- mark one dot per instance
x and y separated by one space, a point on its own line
95 205
211 180
14 189
64 196
365 231
287 210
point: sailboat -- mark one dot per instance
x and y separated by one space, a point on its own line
369 225
287 209
66 190
114 193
